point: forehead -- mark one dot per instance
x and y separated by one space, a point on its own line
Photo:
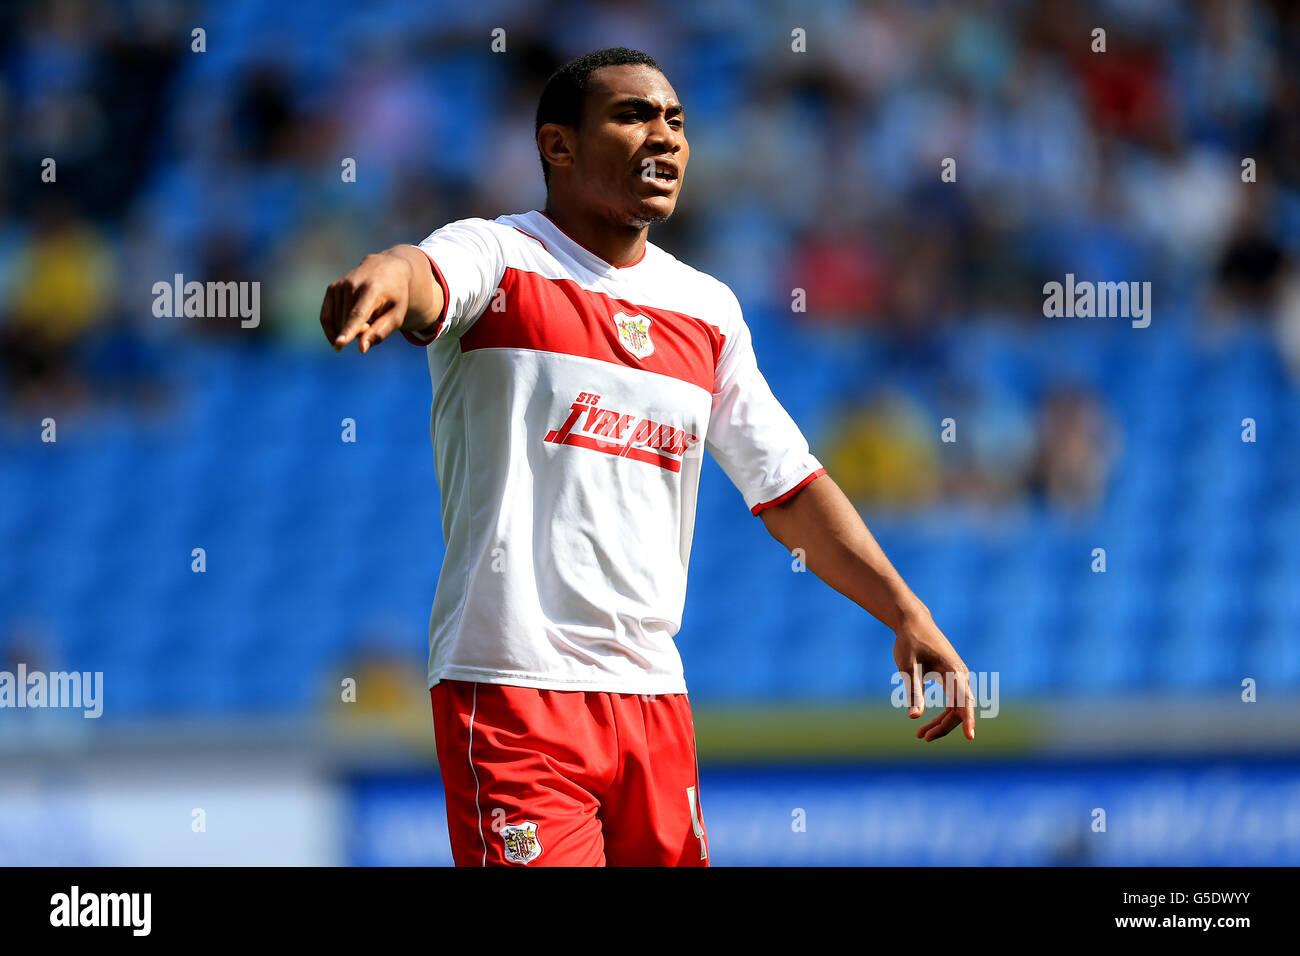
613 83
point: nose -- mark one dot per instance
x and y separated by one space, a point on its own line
663 134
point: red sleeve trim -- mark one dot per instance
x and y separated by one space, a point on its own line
442 316
789 494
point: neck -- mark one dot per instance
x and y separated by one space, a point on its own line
617 243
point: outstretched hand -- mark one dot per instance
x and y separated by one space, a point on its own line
367 304
921 649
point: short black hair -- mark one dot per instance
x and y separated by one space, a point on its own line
566 90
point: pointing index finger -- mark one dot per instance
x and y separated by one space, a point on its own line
329 314
358 316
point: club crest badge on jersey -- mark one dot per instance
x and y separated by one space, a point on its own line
634 333
522 845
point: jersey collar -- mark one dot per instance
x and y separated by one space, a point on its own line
579 250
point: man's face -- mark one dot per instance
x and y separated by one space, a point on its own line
630 153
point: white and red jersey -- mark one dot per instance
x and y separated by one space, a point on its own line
573 401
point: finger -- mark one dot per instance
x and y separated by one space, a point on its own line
364 302
950 720
922 731
968 709
342 302
331 316
917 704
380 328
327 313
937 728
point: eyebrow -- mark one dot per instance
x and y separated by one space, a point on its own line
641 103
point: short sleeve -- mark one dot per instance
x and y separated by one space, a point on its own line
467 262
751 436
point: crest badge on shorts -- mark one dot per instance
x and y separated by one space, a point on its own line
634 333
522 845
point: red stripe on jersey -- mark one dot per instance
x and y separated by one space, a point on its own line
558 315
776 501
442 316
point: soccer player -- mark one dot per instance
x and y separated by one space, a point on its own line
579 375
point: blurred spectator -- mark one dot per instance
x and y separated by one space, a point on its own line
989 462
1251 266
1076 448
842 275
1288 322
381 685
63 284
884 454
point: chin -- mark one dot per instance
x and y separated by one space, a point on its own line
653 210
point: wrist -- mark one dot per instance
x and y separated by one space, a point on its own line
416 320
912 613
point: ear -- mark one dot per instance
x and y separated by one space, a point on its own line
555 143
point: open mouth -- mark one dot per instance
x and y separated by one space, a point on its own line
664 174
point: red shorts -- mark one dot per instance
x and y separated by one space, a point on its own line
568 778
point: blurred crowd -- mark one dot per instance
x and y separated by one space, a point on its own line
816 170
886 452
